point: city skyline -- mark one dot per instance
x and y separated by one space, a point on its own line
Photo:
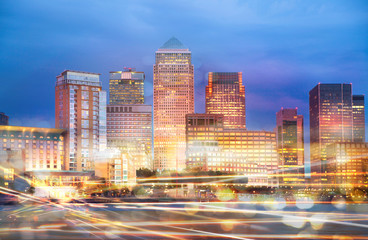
213 119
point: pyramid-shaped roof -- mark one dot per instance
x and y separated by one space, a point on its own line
173 43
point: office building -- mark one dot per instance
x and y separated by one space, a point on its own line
129 128
290 146
358 118
4 119
80 108
225 95
347 165
173 98
126 87
213 147
331 121
43 148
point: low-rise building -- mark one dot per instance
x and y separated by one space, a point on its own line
347 165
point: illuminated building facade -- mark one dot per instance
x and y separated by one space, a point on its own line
116 167
126 87
43 148
11 166
213 147
331 120
80 108
173 98
290 146
129 128
4 119
358 118
347 165
225 95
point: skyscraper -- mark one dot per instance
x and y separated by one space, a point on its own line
80 108
331 120
290 145
173 98
225 95
127 87
358 118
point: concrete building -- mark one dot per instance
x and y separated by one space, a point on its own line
225 95
290 146
129 128
126 87
173 98
80 109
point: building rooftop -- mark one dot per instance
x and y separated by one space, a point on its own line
79 72
31 129
173 43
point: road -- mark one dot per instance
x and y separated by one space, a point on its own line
274 219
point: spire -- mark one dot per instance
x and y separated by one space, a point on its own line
173 43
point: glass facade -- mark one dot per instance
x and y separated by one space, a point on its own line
290 146
331 120
225 95
173 98
127 87
358 118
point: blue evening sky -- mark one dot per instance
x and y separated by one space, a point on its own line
283 48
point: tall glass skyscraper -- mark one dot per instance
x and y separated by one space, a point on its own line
80 108
126 87
331 121
358 118
173 98
225 95
290 145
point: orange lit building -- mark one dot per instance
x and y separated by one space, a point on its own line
331 121
173 98
11 166
80 109
347 165
290 146
43 148
126 87
116 167
225 95
212 147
